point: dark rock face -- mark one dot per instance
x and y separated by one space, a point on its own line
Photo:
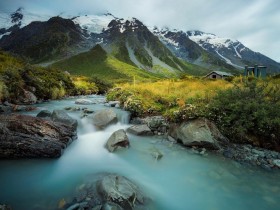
62 117
24 136
199 132
40 41
117 139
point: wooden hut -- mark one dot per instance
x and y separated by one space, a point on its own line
218 75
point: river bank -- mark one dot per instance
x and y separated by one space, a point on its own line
192 174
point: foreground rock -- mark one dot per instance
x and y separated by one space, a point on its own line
104 118
117 140
199 132
119 190
23 136
140 130
62 117
107 191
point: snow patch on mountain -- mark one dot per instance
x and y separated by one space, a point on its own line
161 34
235 48
228 61
94 23
207 38
6 20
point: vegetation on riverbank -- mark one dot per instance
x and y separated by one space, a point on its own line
16 76
245 110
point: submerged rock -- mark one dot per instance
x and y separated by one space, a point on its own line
5 207
140 130
83 101
156 153
116 140
199 132
277 163
104 118
23 136
75 108
62 117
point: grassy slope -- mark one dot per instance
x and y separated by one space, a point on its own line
16 75
96 63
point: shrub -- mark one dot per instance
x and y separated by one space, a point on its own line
84 86
248 113
102 85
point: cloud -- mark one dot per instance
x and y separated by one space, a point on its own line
253 22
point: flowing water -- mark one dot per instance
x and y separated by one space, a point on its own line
181 180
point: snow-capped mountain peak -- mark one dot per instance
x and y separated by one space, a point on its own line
202 39
94 23
18 19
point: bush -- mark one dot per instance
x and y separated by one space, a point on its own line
17 76
84 86
102 85
248 113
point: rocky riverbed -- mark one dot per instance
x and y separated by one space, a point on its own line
201 135
170 171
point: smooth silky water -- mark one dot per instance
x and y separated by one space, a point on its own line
181 180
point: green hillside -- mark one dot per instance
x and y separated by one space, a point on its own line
96 63
16 76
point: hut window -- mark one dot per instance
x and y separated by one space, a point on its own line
214 76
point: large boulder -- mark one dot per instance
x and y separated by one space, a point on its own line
62 117
198 132
106 191
104 118
116 140
23 136
140 130
44 114
121 191
83 101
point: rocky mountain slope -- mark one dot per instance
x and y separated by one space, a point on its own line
212 51
160 51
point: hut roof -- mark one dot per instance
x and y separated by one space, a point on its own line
222 73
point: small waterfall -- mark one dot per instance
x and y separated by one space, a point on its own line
125 118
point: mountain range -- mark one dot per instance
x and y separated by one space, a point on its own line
111 43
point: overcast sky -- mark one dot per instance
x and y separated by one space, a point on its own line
256 23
